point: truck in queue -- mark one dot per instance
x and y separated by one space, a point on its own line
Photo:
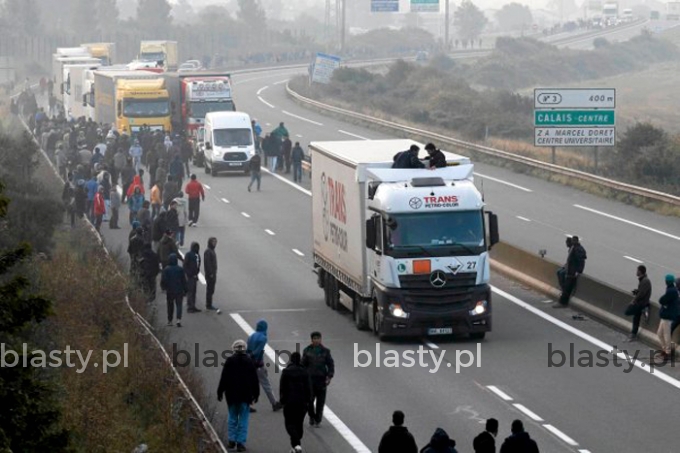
105 51
131 99
406 251
163 52
58 64
74 89
195 94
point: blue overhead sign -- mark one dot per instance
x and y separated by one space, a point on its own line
424 6
384 6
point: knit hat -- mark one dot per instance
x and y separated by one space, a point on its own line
670 278
239 345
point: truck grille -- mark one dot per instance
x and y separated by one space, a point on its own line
422 281
235 156
440 302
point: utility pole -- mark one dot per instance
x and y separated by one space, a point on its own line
446 25
343 25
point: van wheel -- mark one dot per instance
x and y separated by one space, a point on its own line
359 319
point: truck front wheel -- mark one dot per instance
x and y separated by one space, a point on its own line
360 319
377 324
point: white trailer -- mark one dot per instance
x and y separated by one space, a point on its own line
74 89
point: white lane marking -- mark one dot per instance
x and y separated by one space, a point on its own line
281 81
246 215
301 118
639 225
431 345
561 435
270 232
298 135
352 135
500 181
504 396
201 278
589 338
225 200
265 103
259 92
523 218
290 183
267 124
333 419
206 186
584 451
635 260
297 252
528 412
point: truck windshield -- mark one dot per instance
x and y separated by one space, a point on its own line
200 109
233 137
141 108
152 56
435 234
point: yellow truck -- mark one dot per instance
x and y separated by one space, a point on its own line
105 51
130 100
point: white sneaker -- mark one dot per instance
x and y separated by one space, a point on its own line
297 449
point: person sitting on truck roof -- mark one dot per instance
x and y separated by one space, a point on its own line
408 159
436 158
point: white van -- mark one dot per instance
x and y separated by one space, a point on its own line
228 142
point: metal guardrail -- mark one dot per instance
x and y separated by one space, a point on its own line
402 129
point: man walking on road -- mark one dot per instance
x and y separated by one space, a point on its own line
295 390
196 194
318 361
486 441
397 439
256 344
149 267
298 155
519 441
174 283
240 386
255 166
640 302
210 264
192 267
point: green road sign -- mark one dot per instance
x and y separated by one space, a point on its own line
574 118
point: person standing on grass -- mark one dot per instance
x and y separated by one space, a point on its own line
295 394
239 385
174 283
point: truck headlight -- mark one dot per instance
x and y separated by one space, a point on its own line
480 308
397 311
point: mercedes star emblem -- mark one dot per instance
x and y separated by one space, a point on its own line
438 279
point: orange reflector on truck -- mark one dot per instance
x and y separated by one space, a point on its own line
422 267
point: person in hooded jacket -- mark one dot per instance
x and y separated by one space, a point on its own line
177 169
440 442
158 230
256 344
127 176
397 439
135 203
169 192
167 247
519 441
669 312
136 184
192 267
210 266
240 386
149 269
295 391
135 247
182 217
174 283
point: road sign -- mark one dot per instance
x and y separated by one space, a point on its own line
323 67
574 118
574 136
384 6
574 98
424 6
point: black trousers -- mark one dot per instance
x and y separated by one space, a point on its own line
210 290
294 419
636 311
191 291
174 301
318 399
194 209
569 287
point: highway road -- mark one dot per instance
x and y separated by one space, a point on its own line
265 256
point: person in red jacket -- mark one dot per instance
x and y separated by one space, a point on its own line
136 182
99 208
196 194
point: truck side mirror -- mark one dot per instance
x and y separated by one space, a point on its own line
494 236
370 233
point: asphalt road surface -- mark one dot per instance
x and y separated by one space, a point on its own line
265 259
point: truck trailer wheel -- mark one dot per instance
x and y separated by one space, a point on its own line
331 292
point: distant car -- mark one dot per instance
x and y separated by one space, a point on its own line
191 65
422 56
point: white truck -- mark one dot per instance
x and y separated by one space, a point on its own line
74 88
610 13
405 250
58 64
163 52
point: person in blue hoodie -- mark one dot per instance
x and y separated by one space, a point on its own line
256 344
174 283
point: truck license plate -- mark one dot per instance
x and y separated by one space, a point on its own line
234 164
440 331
